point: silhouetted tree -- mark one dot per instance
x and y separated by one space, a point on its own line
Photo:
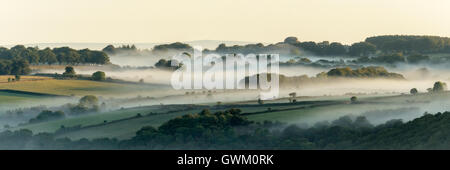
353 99
413 91
69 72
439 86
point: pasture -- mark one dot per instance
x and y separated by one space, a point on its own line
123 123
74 87
4 78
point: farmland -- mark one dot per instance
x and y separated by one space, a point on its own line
124 123
13 97
48 85
4 78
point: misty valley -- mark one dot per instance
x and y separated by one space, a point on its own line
386 92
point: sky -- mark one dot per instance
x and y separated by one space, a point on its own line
268 21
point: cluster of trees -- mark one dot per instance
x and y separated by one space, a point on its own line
69 72
335 48
364 72
86 104
362 49
230 130
258 48
195 125
244 49
385 44
322 48
124 49
344 72
391 48
131 50
323 63
408 44
47 115
167 64
393 58
62 55
438 87
112 50
172 46
14 67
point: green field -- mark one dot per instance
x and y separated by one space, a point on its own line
123 123
93 119
123 129
35 91
76 87
6 97
127 128
16 99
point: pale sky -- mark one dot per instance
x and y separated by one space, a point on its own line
270 21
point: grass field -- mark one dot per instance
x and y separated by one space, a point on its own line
86 120
311 115
127 128
123 129
122 124
12 99
8 97
4 78
93 119
75 87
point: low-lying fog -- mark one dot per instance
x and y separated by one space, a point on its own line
377 111
417 76
421 77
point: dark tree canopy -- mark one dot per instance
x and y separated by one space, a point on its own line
362 49
62 55
439 86
47 115
353 99
14 67
413 91
368 72
172 46
291 40
230 130
407 43
124 49
167 64
89 101
99 76
69 72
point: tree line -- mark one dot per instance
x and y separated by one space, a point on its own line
364 72
61 55
384 44
409 44
131 50
14 67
